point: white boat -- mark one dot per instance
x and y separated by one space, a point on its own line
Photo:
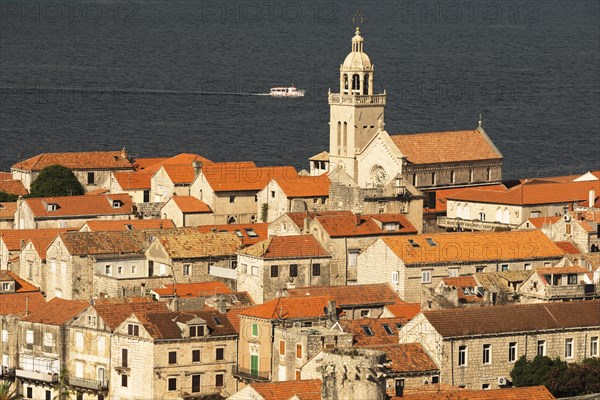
282 91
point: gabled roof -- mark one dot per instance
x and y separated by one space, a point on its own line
472 246
20 303
287 247
243 176
372 332
514 318
113 314
195 244
8 210
407 357
533 193
57 311
304 186
92 160
304 389
513 393
13 187
310 307
97 225
190 205
350 296
12 237
446 147
200 289
345 224
21 285
164 325
76 206
248 233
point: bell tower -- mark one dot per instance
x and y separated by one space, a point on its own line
354 111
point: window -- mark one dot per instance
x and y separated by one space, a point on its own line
255 330
219 380
29 337
133 330
186 269
90 178
220 354
172 357
316 269
367 330
395 277
572 279
541 348
195 355
172 384
124 380
504 267
282 347
195 383
569 348
388 329
274 271
462 356
196 330
107 270
426 276
594 346
512 351
232 199
298 351
293 270
487 354
124 360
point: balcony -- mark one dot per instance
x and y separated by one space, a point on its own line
90 384
37 376
247 375
375 99
572 291
472 224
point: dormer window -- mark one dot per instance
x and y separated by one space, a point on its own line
196 330
133 330
52 207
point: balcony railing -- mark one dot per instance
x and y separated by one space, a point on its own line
336 98
572 291
471 224
247 374
91 384
37 376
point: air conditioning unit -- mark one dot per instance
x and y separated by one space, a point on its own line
502 381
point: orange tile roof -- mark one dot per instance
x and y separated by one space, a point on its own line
378 335
441 196
304 186
20 303
305 389
201 289
520 393
241 230
532 193
134 180
569 269
404 310
190 204
97 225
243 176
473 247
407 357
13 187
12 237
57 311
113 314
514 318
93 160
353 295
196 244
290 308
8 210
540 222
283 247
567 247
21 285
445 147
70 206
343 224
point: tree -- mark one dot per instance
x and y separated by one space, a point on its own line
533 373
56 180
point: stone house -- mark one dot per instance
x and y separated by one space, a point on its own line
268 268
92 169
174 176
559 284
415 262
187 211
72 211
477 347
7 215
231 189
44 347
282 195
309 389
476 209
12 241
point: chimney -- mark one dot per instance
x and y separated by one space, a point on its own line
357 219
592 198
197 167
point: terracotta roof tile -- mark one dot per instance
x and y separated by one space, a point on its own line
282 247
196 244
408 357
193 289
344 224
373 331
567 247
249 233
404 310
289 308
530 193
346 296
190 205
515 318
243 176
472 246
57 311
13 187
444 147
20 303
530 393
76 161
305 390
97 225
12 237
8 210
305 186
113 314
68 206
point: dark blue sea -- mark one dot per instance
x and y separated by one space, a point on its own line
97 75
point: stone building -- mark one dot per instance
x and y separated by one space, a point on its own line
477 347
414 262
266 269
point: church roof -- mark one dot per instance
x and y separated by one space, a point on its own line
445 147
